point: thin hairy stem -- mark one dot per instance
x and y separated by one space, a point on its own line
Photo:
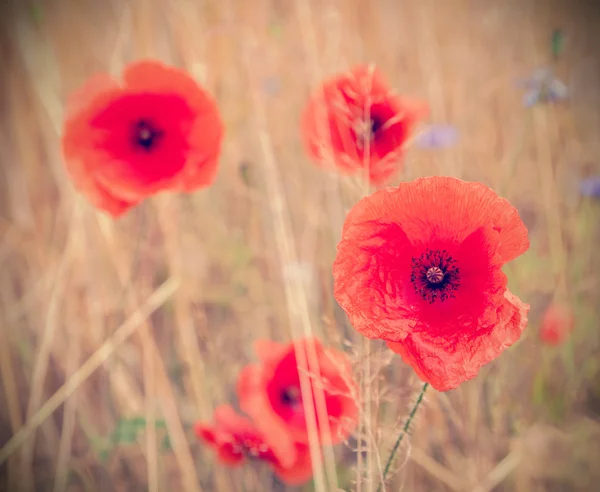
390 460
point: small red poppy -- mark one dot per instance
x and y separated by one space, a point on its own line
156 130
236 439
356 123
557 324
270 394
420 266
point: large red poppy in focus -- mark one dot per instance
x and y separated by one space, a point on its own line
270 393
420 266
236 439
356 124
155 130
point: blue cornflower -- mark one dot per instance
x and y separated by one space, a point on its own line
437 137
542 87
590 186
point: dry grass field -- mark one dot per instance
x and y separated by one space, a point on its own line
142 324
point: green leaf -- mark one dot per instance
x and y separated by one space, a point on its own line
126 431
127 436
139 422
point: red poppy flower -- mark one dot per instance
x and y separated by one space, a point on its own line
355 123
270 394
420 266
557 324
236 439
156 130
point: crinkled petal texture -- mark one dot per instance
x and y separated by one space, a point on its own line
155 130
446 365
394 242
235 438
557 324
356 124
270 393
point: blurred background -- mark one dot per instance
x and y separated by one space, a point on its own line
175 292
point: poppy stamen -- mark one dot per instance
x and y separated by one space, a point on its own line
146 135
435 275
291 396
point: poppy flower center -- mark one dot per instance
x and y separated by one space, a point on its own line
367 129
435 275
252 449
376 125
291 396
146 135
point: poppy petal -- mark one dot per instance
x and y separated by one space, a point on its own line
205 432
227 416
78 144
96 192
151 76
95 93
443 208
252 396
445 366
269 353
300 472
365 286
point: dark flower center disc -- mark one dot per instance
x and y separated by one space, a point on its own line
146 135
376 125
435 276
291 396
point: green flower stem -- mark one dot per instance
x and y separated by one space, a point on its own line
402 434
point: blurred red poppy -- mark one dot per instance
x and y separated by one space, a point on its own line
355 123
420 266
236 439
270 394
557 324
125 141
